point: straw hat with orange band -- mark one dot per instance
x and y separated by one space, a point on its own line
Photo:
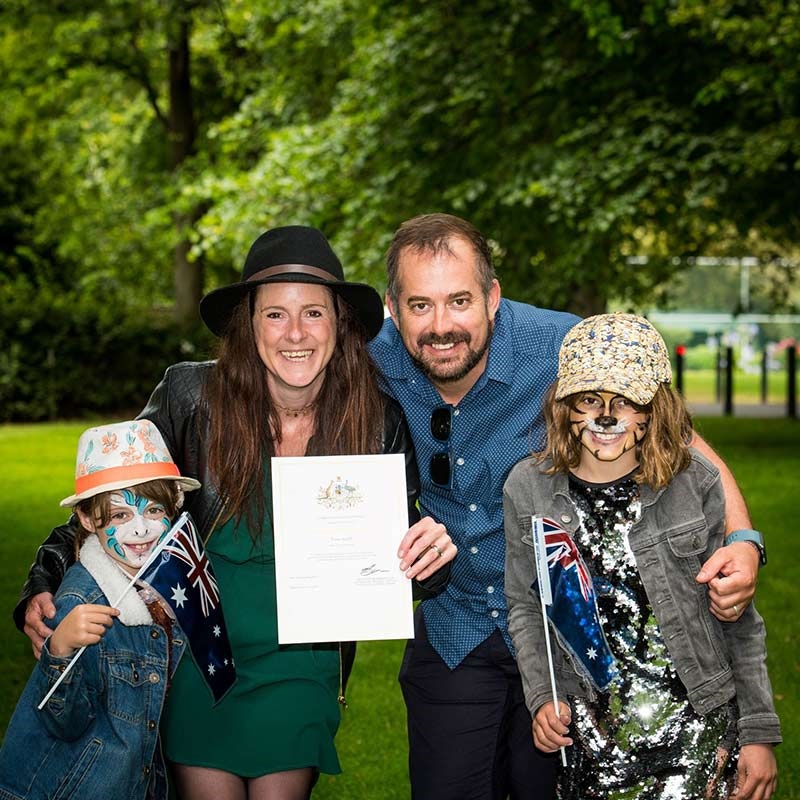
121 455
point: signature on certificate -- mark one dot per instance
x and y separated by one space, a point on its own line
372 569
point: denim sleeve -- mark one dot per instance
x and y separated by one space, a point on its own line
525 621
745 643
71 708
51 561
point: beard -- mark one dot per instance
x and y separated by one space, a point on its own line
449 371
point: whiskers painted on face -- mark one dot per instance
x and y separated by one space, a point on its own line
593 426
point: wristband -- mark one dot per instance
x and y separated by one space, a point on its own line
754 537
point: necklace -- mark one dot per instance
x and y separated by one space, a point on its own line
296 412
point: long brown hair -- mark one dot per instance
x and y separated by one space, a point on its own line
244 422
663 453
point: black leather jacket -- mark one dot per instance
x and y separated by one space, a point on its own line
174 408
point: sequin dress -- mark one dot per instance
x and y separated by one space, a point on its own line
641 739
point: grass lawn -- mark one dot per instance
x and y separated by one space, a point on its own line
763 454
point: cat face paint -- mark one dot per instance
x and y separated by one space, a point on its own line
135 527
608 426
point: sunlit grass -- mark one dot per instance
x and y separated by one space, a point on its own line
39 464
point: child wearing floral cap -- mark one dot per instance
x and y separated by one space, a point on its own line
657 699
97 735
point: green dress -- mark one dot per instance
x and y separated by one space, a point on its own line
282 712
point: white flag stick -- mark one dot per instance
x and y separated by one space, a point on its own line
546 595
156 551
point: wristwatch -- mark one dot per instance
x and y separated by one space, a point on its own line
754 537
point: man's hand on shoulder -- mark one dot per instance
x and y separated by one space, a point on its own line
731 574
39 608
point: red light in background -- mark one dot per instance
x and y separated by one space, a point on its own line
681 350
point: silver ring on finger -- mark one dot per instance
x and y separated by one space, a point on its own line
436 548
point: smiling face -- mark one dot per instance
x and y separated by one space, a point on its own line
609 428
443 316
294 325
135 526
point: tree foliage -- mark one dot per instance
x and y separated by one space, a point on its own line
574 134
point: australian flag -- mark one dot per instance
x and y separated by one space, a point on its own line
183 577
566 588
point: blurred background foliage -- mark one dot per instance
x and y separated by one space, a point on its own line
144 145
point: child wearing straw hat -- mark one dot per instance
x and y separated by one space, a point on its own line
656 698
97 735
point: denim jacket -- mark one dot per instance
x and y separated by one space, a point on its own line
98 734
680 527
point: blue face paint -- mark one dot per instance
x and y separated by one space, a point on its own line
136 500
138 524
112 543
167 525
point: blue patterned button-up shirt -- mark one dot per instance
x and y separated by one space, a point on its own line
497 423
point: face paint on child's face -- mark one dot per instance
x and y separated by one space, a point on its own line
608 425
135 527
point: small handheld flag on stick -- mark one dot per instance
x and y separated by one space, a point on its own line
573 610
156 550
179 571
184 579
546 596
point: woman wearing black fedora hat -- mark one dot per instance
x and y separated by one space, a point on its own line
292 378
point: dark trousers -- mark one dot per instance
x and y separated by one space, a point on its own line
469 731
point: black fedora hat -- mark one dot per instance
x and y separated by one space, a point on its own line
292 254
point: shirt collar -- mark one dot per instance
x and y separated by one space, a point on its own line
500 364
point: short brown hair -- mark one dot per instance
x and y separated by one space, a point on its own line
663 453
432 233
98 507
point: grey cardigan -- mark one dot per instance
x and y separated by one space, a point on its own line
680 527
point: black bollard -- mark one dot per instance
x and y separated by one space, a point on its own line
791 381
728 407
680 355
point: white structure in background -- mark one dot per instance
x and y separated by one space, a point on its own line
727 328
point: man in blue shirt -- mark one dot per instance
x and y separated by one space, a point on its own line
470 370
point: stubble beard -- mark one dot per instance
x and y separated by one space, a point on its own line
450 372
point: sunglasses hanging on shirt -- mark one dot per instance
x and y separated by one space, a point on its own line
441 422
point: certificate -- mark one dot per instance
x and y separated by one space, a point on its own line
338 523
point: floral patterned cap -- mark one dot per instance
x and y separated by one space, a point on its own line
621 353
120 455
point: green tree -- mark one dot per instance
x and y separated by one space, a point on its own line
574 134
108 87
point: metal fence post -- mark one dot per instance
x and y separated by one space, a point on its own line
728 408
680 356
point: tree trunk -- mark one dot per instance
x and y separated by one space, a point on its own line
587 300
188 274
